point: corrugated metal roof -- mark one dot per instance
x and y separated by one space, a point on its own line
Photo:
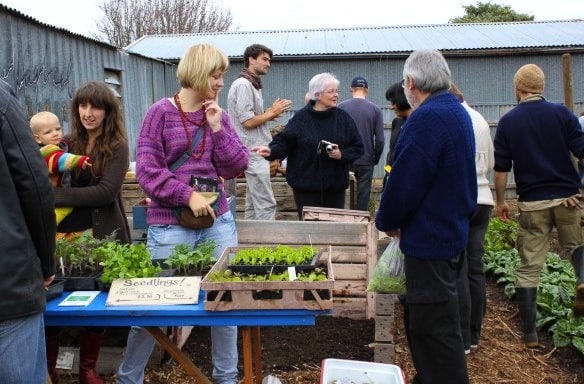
374 40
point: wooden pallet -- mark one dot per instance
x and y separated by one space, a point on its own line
225 296
333 214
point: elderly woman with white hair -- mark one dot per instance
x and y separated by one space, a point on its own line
321 142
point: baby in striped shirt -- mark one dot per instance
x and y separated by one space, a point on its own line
47 132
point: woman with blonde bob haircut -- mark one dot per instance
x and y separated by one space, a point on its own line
198 62
190 122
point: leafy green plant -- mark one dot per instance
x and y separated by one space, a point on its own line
501 236
76 255
555 293
190 261
227 275
125 261
281 255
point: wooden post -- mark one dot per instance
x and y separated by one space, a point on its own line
567 77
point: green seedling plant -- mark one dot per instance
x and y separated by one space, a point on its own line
189 261
555 293
125 261
280 255
76 255
227 275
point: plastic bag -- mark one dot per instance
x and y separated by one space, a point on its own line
389 274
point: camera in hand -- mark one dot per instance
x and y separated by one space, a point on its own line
323 146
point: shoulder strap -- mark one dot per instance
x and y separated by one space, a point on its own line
186 154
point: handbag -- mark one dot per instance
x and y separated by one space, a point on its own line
185 215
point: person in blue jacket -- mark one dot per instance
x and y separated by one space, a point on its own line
428 201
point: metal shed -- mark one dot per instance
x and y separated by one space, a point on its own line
45 65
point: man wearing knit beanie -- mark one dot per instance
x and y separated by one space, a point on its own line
529 79
47 132
537 140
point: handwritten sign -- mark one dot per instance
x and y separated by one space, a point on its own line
154 291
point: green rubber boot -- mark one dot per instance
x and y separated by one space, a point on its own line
526 300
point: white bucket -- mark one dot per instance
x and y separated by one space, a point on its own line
337 371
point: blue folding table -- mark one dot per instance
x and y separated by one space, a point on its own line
153 317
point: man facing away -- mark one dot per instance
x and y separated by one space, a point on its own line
429 198
537 140
27 235
245 106
369 121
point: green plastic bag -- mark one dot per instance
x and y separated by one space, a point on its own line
389 274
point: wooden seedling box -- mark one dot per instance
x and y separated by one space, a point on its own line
226 296
333 214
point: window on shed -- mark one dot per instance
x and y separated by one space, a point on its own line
113 79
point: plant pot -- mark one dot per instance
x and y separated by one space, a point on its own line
55 289
82 283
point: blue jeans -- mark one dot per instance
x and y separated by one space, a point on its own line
23 357
161 241
364 176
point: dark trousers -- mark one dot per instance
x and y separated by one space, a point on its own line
318 199
364 176
472 294
432 321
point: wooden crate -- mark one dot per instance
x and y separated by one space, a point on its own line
225 296
333 214
285 204
353 255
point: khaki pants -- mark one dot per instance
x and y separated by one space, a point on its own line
533 239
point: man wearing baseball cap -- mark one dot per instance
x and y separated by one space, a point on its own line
369 121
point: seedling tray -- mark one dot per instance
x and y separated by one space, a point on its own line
230 295
55 289
273 268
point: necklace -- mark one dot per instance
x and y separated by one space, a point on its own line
200 124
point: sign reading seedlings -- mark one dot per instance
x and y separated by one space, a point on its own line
154 291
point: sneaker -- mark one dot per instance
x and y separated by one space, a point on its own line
474 346
467 351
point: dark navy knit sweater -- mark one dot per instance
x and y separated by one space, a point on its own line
308 171
431 191
535 139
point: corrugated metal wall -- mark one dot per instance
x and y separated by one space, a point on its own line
45 65
487 81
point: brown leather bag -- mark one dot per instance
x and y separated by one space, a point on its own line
187 219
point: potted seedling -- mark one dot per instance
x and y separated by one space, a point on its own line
124 261
189 261
77 264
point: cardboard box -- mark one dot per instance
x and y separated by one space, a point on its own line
338 371
229 295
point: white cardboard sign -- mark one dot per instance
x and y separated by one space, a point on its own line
154 291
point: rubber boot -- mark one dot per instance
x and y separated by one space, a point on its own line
526 300
578 263
52 345
88 353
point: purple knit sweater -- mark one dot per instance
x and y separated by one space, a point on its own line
163 140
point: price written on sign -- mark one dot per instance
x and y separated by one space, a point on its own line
154 291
